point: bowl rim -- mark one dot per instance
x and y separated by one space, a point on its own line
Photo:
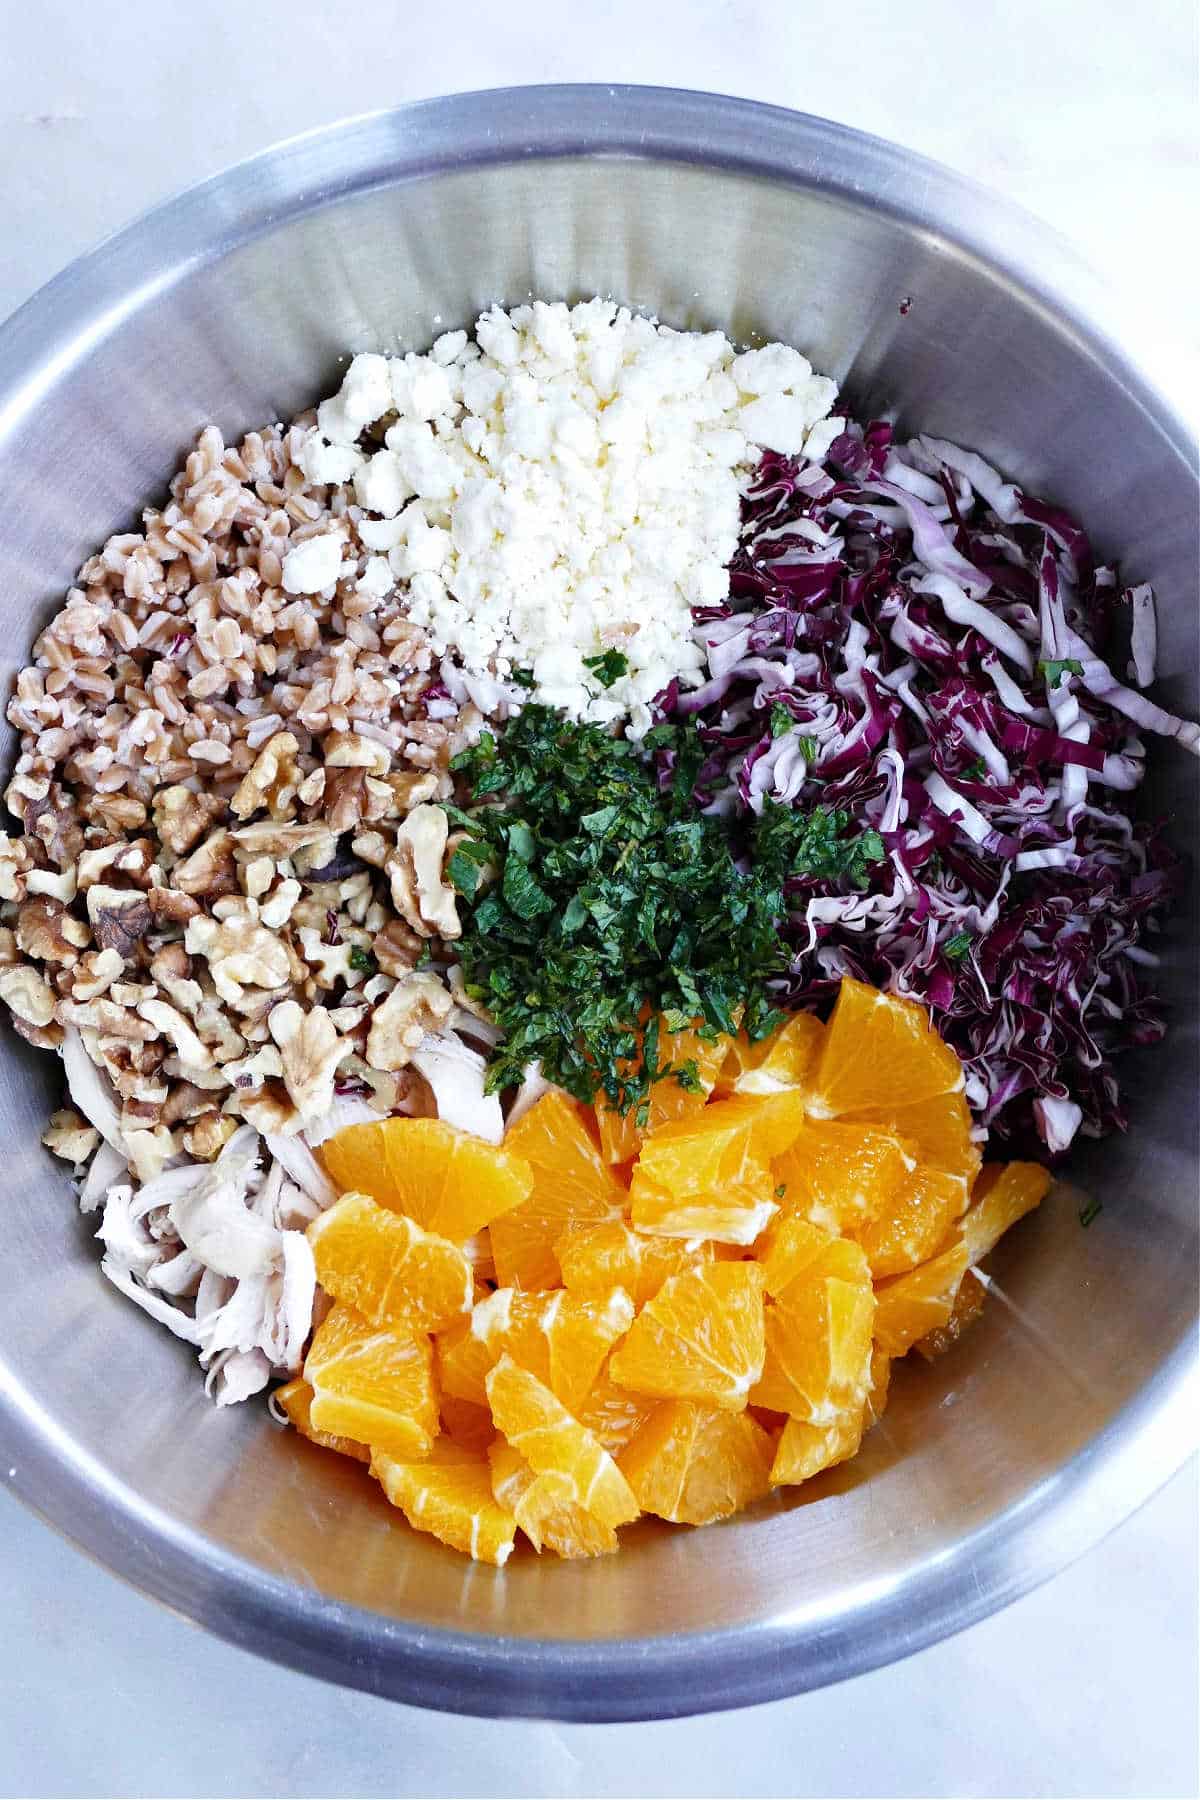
612 1679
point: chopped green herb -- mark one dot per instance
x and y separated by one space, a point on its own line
362 960
781 719
1054 668
1090 1210
976 771
956 947
781 1190
809 750
613 894
523 677
609 667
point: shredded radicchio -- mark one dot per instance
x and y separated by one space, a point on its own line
914 640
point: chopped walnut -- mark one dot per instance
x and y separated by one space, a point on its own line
70 1136
396 948
264 838
181 816
42 1037
49 933
419 893
416 1006
331 962
95 973
15 861
186 1101
272 781
277 910
311 1049
240 952
170 906
24 991
268 1109
172 1024
120 917
345 799
208 1136
8 945
371 847
210 869
60 887
347 750
108 1017
95 862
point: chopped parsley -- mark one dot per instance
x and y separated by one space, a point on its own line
362 960
609 667
1054 669
1089 1211
956 947
781 719
613 896
523 678
808 750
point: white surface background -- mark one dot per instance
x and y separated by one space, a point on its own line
1086 114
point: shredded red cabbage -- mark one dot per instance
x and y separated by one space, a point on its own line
913 639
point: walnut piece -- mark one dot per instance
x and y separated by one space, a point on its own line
172 1024
240 952
120 917
70 1136
417 1005
181 817
49 933
310 1050
29 997
347 750
210 869
272 781
420 895
208 1136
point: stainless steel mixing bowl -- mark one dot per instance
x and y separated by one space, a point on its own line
1069 1403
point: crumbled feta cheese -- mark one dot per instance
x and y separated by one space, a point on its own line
313 565
566 484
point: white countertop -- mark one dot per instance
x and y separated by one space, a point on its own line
1087 116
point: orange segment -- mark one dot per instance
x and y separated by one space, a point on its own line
877 1393
1001 1196
914 1223
714 1150
909 1306
968 1304
571 1186
551 1440
543 1507
561 1338
296 1397
937 1130
372 1383
466 1424
700 1338
775 1120
386 1267
614 1414
795 1249
735 1213
449 1182
597 1258
621 1137
804 1450
818 1339
693 1464
785 1059
839 1174
449 1494
879 1053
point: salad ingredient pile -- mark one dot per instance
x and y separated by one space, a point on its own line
670 1325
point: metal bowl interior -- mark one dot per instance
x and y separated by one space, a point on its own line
1068 1405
